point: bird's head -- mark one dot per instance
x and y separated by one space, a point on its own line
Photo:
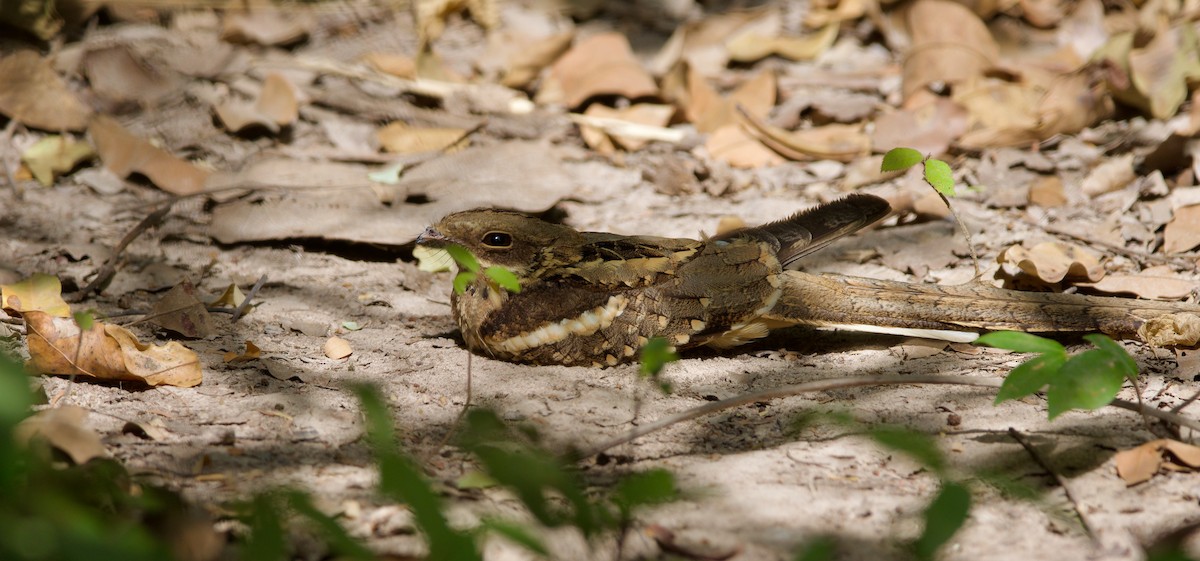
518 242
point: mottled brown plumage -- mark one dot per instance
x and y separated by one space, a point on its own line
595 298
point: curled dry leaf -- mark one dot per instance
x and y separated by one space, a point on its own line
107 352
31 92
1054 261
647 114
431 15
1183 231
252 352
602 64
267 27
181 312
1163 68
830 142
391 63
1137 465
277 106
400 138
526 63
38 293
337 348
950 45
1182 329
751 46
709 110
121 76
54 155
1155 283
1111 175
124 154
64 429
232 297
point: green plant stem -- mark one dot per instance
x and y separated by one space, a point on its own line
842 383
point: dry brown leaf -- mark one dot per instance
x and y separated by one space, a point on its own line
337 348
124 153
1182 329
232 297
526 63
63 428
267 27
40 293
731 144
1042 13
928 128
1155 283
825 12
830 142
1183 231
400 138
108 352
120 76
277 106
1139 464
700 44
1047 191
391 63
151 429
1161 70
1111 175
750 46
431 15
1084 30
950 45
181 312
252 352
602 64
31 92
648 114
1054 261
54 155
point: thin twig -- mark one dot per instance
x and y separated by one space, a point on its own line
1043 461
842 383
249 298
106 272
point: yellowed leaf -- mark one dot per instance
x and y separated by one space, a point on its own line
749 47
337 348
63 428
252 352
109 352
1162 68
232 297
392 63
1054 261
40 292
55 155
602 64
1183 231
124 153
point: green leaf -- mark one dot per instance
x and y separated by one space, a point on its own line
939 174
475 479
656 353
819 549
465 260
943 518
1020 342
1088 380
351 325
1031 376
1117 352
517 534
504 277
84 320
266 538
920 446
651 487
461 281
898 159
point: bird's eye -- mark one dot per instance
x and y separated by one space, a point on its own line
497 239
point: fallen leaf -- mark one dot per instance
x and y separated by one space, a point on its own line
108 352
649 114
524 64
950 45
709 110
731 144
32 93
181 312
400 138
152 429
825 12
1083 30
1156 283
928 127
1047 191
700 44
120 76
232 297
1054 261
830 142
1139 464
63 428
124 154
337 348
267 27
54 155
432 260
1162 69
40 293
277 106
602 64
1183 231
252 352
751 46
391 63
1182 329
1111 175
431 15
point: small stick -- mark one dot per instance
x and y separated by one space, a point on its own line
106 272
1044 462
241 310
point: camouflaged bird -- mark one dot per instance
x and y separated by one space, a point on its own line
596 298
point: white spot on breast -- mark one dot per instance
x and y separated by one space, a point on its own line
587 323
